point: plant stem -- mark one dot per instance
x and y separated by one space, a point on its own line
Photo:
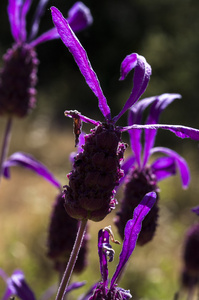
5 144
72 260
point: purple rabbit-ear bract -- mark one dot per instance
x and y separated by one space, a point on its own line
80 56
40 9
17 11
135 117
17 286
180 162
164 167
132 230
179 130
157 108
79 17
141 78
27 161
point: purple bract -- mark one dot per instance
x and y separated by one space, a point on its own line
91 190
18 77
142 177
132 230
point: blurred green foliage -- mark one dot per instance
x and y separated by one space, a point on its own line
165 32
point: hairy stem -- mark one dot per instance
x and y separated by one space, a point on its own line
72 260
5 144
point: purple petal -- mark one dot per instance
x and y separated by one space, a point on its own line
132 230
17 286
24 11
14 14
157 107
135 117
79 17
180 162
29 162
195 210
179 130
103 238
51 34
164 167
140 79
74 286
37 17
162 102
80 56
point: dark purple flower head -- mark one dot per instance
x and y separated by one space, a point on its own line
18 77
96 170
105 251
61 237
142 177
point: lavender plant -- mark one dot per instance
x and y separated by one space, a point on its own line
18 77
97 170
141 176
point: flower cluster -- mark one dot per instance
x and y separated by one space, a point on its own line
91 172
99 166
18 77
140 176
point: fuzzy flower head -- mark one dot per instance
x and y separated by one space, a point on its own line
106 253
96 170
141 176
18 77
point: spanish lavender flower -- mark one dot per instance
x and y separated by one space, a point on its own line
18 76
61 237
96 171
16 285
142 177
132 230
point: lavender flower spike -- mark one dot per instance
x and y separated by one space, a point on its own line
105 251
96 169
18 77
140 176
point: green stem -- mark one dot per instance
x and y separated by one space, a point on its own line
72 260
5 144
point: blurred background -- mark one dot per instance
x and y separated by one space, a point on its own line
166 33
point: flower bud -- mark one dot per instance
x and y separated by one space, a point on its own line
137 185
96 171
18 78
61 238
